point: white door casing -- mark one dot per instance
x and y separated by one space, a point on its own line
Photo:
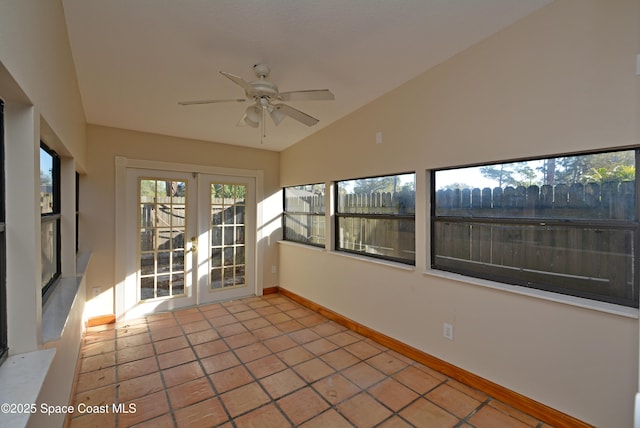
198 280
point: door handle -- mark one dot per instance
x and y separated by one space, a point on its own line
194 245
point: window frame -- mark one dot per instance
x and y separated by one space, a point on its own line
77 195
318 214
338 215
4 345
621 225
54 216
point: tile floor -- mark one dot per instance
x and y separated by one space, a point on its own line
265 362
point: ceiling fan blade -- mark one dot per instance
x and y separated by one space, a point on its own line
188 103
296 114
310 95
239 81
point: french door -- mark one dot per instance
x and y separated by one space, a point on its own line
190 239
226 238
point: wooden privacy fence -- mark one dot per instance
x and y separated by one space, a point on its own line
388 236
610 200
306 226
403 202
384 236
584 257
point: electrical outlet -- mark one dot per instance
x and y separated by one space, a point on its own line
448 331
273 269
96 291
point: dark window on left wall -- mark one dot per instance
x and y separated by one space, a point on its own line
77 209
49 218
3 277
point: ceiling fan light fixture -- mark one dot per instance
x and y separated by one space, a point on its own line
250 122
253 115
276 115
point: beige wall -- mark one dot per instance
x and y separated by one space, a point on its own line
35 52
42 102
561 80
97 194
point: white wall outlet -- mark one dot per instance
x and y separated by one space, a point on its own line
274 269
448 331
96 291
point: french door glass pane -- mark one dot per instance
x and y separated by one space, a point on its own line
161 232
227 252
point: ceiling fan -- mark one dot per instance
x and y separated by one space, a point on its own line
267 99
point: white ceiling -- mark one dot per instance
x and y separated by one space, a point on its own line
135 59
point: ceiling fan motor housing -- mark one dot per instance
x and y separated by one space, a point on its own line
263 88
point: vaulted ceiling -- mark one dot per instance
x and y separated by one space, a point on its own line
136 59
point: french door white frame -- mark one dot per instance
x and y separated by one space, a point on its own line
206 294
132 291
122 308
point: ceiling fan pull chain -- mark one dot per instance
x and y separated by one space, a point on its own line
264 126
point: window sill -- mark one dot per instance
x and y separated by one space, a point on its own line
58 306
300 245
56 310
594 305
388 263
21 378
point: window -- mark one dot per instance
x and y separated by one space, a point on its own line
566 224
49 217
3 276
376 217
77 209
304 214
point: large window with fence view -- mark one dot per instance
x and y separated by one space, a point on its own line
304 214
567 224
375 217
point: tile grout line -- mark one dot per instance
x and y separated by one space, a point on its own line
155 355
244 364
334 406
253 376
466 419
160 372
217 395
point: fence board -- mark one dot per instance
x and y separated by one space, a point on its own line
608 201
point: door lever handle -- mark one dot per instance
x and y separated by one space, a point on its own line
194 245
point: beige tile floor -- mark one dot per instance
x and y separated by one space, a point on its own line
265 362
